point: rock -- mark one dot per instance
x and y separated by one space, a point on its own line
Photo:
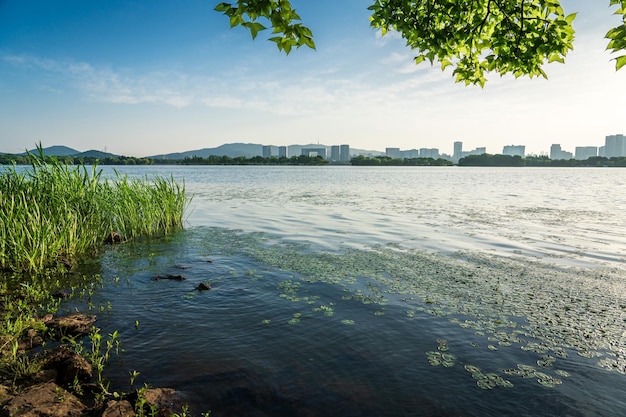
75 324
67 364
45 400
62 294
65 262
113 238
169 277
164 400
122 408
204 286
5 394
29 340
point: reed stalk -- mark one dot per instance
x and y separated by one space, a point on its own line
53 212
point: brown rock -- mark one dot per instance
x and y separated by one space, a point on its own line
67 364
169 277
5 394
113 238
75 324
165 400
204 286
46 400
120 408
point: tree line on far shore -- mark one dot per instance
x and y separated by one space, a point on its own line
10 159
488 160
539 161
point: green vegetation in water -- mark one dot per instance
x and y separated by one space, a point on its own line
53 216
513 303
53 212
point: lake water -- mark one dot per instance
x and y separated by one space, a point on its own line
357 291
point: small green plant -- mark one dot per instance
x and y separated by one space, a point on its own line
184 412
133 375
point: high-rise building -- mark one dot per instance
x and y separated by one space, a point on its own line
557 153
267 151
429 153
585 152
344 153
615 146
458 151
514 150
313 152
334 153
392 152
282 152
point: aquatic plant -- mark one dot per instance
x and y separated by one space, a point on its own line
52 213
514 302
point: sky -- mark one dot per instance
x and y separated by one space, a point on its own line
147 77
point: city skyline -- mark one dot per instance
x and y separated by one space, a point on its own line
71 75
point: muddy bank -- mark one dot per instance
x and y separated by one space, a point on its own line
58 381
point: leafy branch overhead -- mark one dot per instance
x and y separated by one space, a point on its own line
278 14
473 37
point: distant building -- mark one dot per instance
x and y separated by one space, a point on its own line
429 153
267 151
409 154
344 153
282 152
458 151
392 152
334 153
585 152
314 152
557 153
615 146
514 150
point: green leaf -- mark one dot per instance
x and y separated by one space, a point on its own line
222 7
255 28
620 62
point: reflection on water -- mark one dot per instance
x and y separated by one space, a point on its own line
355 285
349 337
562 215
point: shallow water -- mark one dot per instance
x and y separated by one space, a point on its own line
338 291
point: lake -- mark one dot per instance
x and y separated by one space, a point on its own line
387 291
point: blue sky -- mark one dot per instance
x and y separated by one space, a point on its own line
146 77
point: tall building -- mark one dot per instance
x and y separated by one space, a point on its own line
585 152
313 152
557 153
429 153
458 151
267 151
282 152
615 146
392 152
344 153
514 150
334 153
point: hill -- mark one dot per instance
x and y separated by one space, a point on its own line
250 150
230 149
55 151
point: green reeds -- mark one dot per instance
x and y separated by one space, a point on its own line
52 212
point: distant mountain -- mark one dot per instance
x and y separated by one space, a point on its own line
233 150
54 151
230 149
249 150
96 154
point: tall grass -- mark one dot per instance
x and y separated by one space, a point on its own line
53 212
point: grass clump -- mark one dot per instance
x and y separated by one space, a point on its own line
52 212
